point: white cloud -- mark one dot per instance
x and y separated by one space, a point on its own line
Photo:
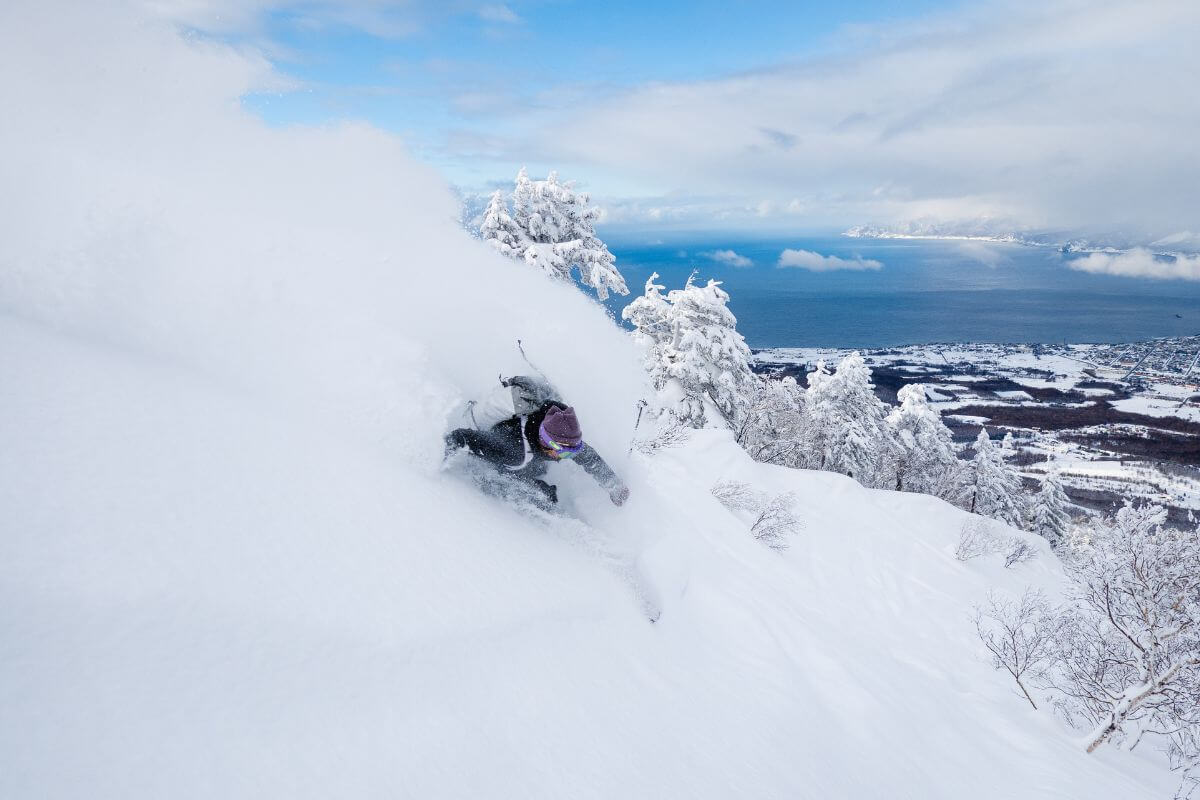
815 262
728 257
1054 114
1140 263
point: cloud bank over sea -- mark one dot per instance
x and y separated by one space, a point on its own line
815 262
1141 263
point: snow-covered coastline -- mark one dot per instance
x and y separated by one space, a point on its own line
1176 246
871 232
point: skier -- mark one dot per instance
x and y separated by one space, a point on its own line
541 430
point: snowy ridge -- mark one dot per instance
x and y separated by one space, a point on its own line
231 567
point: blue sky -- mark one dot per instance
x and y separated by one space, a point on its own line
431 73
799 116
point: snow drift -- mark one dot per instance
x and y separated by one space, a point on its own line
229 565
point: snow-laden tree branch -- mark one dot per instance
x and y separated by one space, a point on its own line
1141 582
698 363
551 226
1124 655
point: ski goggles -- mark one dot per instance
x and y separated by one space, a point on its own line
558 450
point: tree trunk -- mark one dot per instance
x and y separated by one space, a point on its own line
1131 704
1026 691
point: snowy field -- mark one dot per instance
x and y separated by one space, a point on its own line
230 565
1159 407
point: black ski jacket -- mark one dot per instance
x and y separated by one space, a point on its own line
521 436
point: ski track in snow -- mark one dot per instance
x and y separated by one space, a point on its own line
560 522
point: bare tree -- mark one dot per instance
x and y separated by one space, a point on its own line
1128 652
975 538
1019 635
738 496
1123 654
776 522
671 434
1019 551
1144 581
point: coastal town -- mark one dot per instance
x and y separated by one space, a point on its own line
1117 420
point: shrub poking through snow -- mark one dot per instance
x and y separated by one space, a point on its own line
1019 551
776 521
774 517
738 496
975 539
669 435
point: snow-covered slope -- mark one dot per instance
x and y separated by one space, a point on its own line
206 595
229 565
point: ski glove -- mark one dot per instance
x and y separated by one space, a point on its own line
619 495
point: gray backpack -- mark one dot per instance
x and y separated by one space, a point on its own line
529 393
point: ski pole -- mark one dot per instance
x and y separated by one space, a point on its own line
530 363
641 406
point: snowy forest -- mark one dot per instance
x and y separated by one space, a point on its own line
1118 656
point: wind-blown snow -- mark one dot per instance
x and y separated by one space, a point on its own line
230 567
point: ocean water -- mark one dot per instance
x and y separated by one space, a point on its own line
923 291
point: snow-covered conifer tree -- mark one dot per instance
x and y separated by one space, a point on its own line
499 229
653 329
847 428
995 489
1051 519
709 359
551 227
697 360
926 460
